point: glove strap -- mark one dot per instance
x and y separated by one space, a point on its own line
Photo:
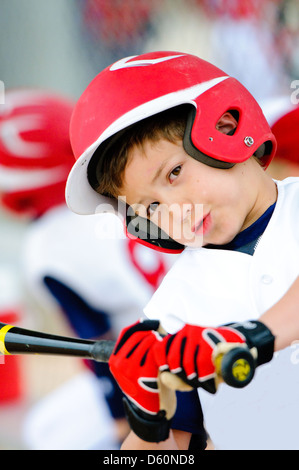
150 428
259 336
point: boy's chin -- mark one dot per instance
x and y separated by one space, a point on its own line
197 243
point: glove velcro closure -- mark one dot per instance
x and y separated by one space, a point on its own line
150 428
257 336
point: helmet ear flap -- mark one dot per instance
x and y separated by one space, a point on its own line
261 152
191 150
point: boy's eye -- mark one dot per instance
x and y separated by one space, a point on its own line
175 173
151 208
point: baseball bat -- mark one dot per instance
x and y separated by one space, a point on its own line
16 340
235 364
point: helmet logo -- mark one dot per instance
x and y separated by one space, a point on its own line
249 141
10 133
124 63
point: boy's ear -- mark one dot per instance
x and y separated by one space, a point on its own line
227 123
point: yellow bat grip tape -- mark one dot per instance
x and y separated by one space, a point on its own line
3 332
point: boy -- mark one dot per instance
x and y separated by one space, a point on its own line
185 146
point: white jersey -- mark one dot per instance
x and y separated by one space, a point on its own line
92 256
213 287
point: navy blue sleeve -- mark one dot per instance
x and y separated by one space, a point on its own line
189 417
85 320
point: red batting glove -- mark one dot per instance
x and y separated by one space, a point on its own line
189 352
133 365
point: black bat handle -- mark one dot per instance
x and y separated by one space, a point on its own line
101 350
237 367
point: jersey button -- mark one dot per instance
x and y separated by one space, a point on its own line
267 279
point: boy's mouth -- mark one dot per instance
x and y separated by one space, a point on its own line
201 227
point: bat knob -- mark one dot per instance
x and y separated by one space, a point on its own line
237 367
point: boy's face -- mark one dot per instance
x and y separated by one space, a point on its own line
193 203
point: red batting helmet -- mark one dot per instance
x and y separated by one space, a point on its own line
35 151
137 87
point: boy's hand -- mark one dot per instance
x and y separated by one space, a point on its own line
190 353
149 405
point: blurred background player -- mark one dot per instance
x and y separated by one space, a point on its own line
97 278
283 117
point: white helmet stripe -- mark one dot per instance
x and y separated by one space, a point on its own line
16 180
15 99
153 107
124 63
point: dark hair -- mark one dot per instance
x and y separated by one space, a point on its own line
108 164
